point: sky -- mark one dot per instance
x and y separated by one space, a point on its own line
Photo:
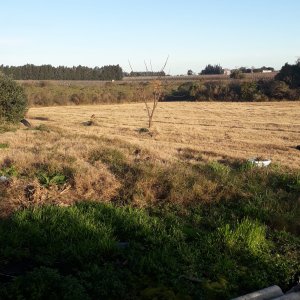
232 33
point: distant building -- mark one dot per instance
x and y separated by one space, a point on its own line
266 71
227 72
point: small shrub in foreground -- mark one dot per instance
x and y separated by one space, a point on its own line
13 101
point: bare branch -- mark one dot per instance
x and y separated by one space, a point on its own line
162 69
146 66
130 66
157 91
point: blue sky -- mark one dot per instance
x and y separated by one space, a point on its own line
194 33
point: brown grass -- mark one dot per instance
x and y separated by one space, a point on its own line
114 160
215 130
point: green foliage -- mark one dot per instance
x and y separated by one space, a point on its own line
4 145
249 91
51 179
48 72
143 130
290 74
233 91
275 89
219 168
113 157
76 251
13 101
9 171
8 168
232 227
210 70
237 74
247 234
96 93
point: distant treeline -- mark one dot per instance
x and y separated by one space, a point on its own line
48 72
144 74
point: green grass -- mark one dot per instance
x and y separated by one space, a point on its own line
233 227
103 251
4 146
9 171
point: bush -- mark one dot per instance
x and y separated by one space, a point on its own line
290 74
13 101
210 70
250 92
237 74
275 89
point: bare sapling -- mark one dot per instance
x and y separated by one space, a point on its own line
157 93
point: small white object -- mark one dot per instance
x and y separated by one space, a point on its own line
271 292
260 163
3 179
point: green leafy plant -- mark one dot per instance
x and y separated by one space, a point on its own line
51 179
13 101
10 171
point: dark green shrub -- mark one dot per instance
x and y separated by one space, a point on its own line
234 91
250 92
290 74
237 74
275 89
210 70
13 101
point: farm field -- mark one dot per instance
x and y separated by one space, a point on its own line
101 208
217 130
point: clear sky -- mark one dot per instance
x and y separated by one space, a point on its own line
232 33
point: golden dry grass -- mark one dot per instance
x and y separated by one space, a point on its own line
61 143
217 130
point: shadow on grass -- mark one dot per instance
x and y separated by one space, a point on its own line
101 251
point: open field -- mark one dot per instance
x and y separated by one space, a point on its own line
112 211
253 76
216 130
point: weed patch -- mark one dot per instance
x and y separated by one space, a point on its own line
42 127
75 249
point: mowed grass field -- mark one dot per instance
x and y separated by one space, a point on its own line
218 131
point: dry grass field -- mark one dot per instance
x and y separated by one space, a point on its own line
101 208
217 131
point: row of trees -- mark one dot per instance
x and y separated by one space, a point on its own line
263 90
209 70
48 72
285 86
217 69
